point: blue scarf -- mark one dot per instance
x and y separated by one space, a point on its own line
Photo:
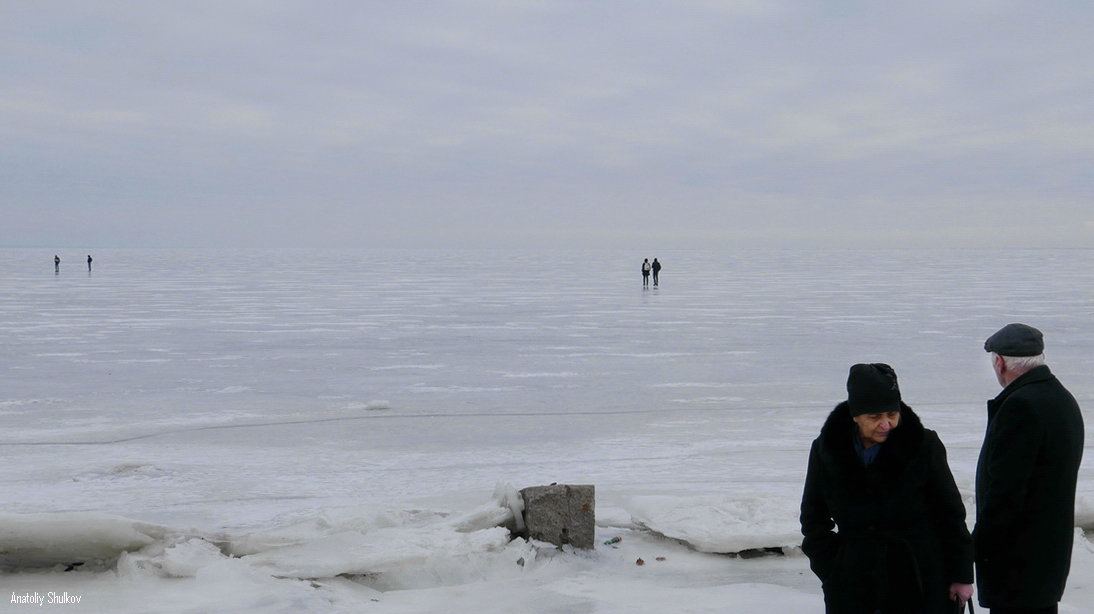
867 455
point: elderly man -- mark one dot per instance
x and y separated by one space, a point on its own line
882 478
1025 479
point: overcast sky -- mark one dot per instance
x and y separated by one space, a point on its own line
580 123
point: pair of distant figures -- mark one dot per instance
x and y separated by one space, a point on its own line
647 268
57 263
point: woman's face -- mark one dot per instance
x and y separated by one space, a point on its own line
875 428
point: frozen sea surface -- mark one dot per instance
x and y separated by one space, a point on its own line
241 392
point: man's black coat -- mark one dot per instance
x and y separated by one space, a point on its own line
902 538
1025 493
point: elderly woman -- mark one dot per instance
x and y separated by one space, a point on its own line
881 478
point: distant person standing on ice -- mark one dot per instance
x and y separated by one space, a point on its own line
879 477
656 268
56 263
645 272
1025 479
89 263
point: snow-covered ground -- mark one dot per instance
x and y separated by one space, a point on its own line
320 431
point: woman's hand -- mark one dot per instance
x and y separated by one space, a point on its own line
960 592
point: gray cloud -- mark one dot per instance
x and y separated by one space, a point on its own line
546 123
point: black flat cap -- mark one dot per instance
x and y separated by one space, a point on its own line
1016 340
872 389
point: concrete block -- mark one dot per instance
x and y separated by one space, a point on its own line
561 514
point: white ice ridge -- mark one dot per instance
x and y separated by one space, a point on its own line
360 542
338 542
1084 512
392 548
732 524
721 524
43 540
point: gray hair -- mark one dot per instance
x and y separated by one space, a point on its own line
1021 364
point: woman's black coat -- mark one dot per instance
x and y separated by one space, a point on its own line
901 537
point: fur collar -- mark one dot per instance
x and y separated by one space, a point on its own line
895 454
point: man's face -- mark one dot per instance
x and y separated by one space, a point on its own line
875 428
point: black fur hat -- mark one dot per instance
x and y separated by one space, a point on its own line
872 389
